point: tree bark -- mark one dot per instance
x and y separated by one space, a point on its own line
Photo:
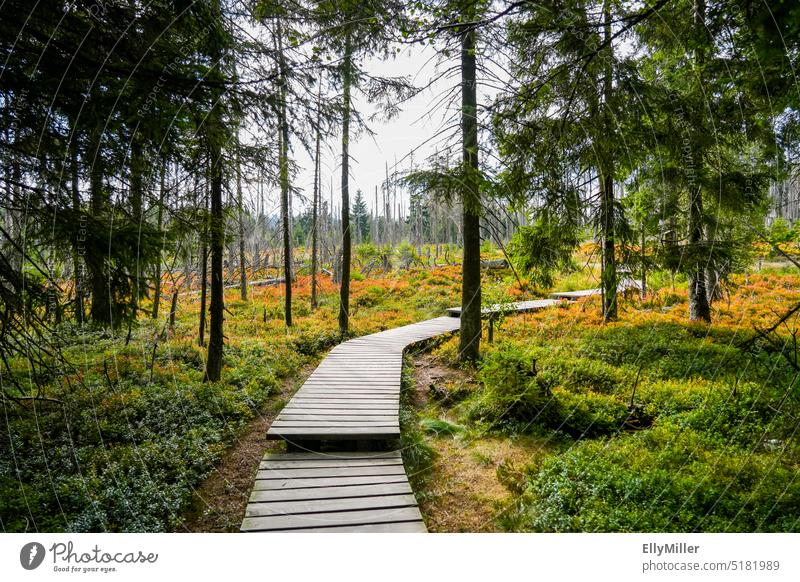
79 243
284 180
470 335
240 203
217 304
609 275
344 289
100 311
699 308
203 274
607 223
315 204
137 171
644 265
159 223
216 336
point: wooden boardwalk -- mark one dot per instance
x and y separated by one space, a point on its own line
573 295
518 307
351 401
332 492
624 284
354 394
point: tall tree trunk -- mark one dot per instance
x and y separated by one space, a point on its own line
137 170
203 272
79 246
215 136
217 232
284 179
470 336
388 203
100 312
643 255
699 308
344 289
608 276
315 203
137 177
607 222
160 224
240 203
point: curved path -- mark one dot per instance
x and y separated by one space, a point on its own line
351 402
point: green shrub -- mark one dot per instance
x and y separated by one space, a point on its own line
312 343
589 414
583 374
665 479
512 392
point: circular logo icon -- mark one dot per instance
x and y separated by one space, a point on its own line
31 555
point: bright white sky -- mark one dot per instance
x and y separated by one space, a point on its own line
411 131
414 129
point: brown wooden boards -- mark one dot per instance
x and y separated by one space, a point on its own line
519 307
354 394
339 492
572 295
624 284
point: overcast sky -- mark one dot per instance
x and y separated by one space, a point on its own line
414 130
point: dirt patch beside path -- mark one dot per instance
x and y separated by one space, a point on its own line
463 493
221 499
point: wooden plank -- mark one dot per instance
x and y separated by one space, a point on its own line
361 364
376 381
575 294
395 527
338 417
356 390
334 413
326 482
334 425
336 492
352 393
326 408
354 429
519 307
336 518
329 472
320 391
347 397
344 384
314 456
288 412
371 360
381 391
295 434
310 506
344 400
273 464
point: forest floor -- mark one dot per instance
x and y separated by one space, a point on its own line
220 500
463 493
651 423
